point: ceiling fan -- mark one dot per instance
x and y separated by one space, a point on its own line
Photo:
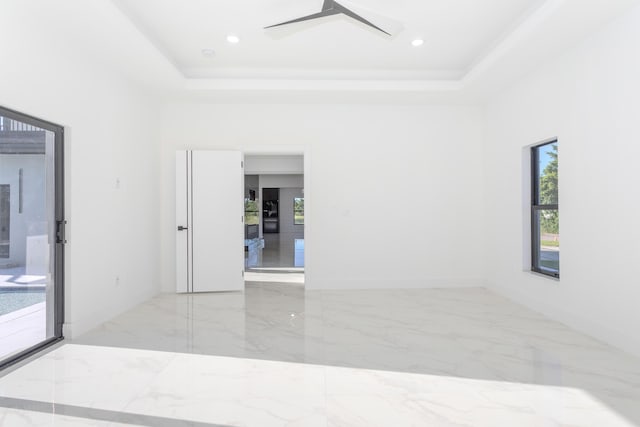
330 8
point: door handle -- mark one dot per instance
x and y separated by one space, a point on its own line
61 232
181 228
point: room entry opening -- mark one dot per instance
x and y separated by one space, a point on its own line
274 213
31 235
211 226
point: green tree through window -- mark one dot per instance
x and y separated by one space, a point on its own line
251 214
298 210
549 222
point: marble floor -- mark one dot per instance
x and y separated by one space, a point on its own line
280 250
280 259
277 355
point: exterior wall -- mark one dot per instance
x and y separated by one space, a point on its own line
32 220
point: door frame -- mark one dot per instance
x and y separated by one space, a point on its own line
297 150
58 232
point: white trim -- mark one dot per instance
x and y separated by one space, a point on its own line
526 208
340 283
323 85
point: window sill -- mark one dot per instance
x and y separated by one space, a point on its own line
542 275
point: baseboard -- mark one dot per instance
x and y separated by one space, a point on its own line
341 283
67 330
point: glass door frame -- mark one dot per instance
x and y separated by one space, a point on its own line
59 232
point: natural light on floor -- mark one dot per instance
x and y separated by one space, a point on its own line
275 275
102 385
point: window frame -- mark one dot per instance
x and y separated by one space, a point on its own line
60 238
536 207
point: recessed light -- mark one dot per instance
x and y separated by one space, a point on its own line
233 39
209 53
417 42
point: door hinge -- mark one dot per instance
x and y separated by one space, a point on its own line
61 232
242 219
241 164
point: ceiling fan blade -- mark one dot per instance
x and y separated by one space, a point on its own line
318 15
357 17
329 8
328 4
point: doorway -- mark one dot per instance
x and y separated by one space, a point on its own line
31 235
274 212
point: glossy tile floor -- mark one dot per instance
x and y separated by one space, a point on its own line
276 355
281 260
280 250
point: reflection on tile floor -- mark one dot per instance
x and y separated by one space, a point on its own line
277 355
275 275
278 250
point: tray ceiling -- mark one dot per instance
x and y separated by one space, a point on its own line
456 34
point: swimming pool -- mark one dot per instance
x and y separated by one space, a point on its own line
15 300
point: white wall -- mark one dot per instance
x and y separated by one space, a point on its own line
281 181
31 221
273 164
110 135
395 191
588 98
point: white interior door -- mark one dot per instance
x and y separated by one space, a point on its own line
209 247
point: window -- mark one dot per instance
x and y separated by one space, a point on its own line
545 218
298 210
251 213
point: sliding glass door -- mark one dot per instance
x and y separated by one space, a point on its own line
31 235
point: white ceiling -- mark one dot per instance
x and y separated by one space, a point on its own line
457 35
156 44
